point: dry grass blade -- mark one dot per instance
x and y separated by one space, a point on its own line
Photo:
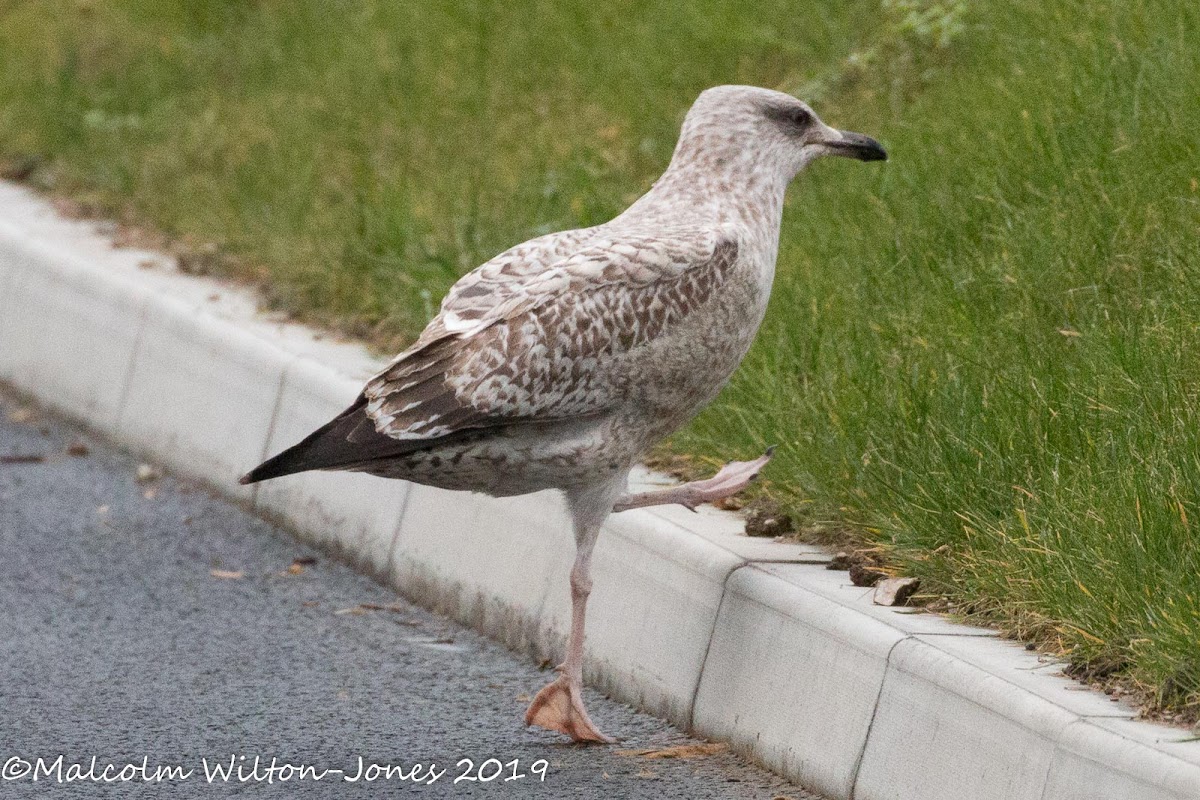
699 750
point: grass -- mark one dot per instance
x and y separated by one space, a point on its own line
982 360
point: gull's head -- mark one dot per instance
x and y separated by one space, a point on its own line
753 128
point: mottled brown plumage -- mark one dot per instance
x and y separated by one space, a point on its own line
558 363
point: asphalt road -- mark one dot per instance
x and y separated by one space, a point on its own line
153 626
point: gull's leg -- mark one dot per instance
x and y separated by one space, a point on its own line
559 706
731 479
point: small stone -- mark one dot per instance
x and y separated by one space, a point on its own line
20 167
767 522
862 574
77 449
895 591
840 561
203 260
147 473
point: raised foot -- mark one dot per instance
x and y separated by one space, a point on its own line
731 479
559 707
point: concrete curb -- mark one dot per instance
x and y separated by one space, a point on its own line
739 639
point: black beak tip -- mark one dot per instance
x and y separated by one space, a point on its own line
864 148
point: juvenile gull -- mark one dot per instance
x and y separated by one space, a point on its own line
559 363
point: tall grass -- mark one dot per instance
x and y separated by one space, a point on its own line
988 354
983 358
365 154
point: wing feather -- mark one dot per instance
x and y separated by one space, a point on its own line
539 332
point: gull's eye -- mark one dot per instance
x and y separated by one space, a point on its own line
794 120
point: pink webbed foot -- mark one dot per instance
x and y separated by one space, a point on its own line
729 480
559 707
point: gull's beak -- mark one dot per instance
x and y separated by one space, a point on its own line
855 145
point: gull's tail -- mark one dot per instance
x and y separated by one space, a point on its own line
346 441
349 441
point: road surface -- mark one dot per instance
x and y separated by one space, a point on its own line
153 636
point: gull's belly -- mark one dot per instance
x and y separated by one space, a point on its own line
519 459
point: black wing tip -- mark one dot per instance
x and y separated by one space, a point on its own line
260 473
286 463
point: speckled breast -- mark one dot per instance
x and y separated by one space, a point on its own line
680 373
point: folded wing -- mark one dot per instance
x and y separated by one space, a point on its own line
548 346
537 334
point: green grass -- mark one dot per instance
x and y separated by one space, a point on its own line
982 359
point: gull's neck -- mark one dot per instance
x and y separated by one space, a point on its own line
713 182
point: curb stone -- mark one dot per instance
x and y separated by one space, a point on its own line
740 639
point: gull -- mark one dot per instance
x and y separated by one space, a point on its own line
560 362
